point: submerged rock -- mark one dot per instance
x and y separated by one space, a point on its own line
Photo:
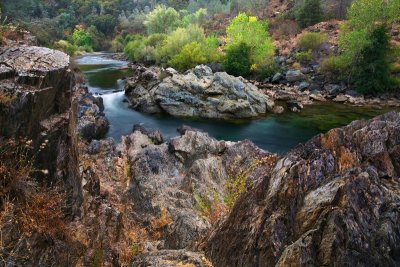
197 93
332 201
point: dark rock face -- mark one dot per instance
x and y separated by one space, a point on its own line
92 122
199 92
332 201
170 182
36 91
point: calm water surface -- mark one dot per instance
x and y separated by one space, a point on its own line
276 133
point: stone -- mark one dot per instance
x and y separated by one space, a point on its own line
278 109
277 77
154 135
294 104
303 86
196 93
294 76
341 98
318 97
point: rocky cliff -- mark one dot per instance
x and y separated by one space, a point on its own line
332 201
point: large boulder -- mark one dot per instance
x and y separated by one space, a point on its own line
199 92
330 202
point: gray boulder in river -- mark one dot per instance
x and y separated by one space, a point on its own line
196 93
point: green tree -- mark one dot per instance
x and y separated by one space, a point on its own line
237 59
191 55
309 13
162 20
373 72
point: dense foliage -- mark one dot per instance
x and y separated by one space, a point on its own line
364 46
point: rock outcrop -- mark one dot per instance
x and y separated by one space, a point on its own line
177 188
332 201
36 103
197 93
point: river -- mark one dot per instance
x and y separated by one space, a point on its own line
275 133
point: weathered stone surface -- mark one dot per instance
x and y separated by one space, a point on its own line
294 76
198 93
92 122
171 183
171 258
332 201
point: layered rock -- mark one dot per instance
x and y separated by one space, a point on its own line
197 93
176 187
332 201
36 104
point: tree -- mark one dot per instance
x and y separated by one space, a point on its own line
237 59
162 20
309 13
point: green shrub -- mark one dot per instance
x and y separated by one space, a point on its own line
252 32
332 67
80 37
176 40
311 40
190 56
162 20
133 47
304 56
309 13
237 59
66 47
155 39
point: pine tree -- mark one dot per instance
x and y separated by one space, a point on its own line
309 13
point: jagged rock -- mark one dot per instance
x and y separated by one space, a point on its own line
171 258
184 128
332 89
318 97
278 109
154 135
198 93
92 122
173 181
294 76
332 201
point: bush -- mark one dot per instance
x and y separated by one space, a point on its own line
162 20
248 30
311 40
133 47
66 47
237 59
175 41
81 37
191 55
304 56
309 13
332 67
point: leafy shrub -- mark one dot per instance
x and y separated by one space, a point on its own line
311 40
190 56
155 39
66 47
237 59
304 56
81 37
133 47
332 67
162 20
198 18
309 13
252 32
176 40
